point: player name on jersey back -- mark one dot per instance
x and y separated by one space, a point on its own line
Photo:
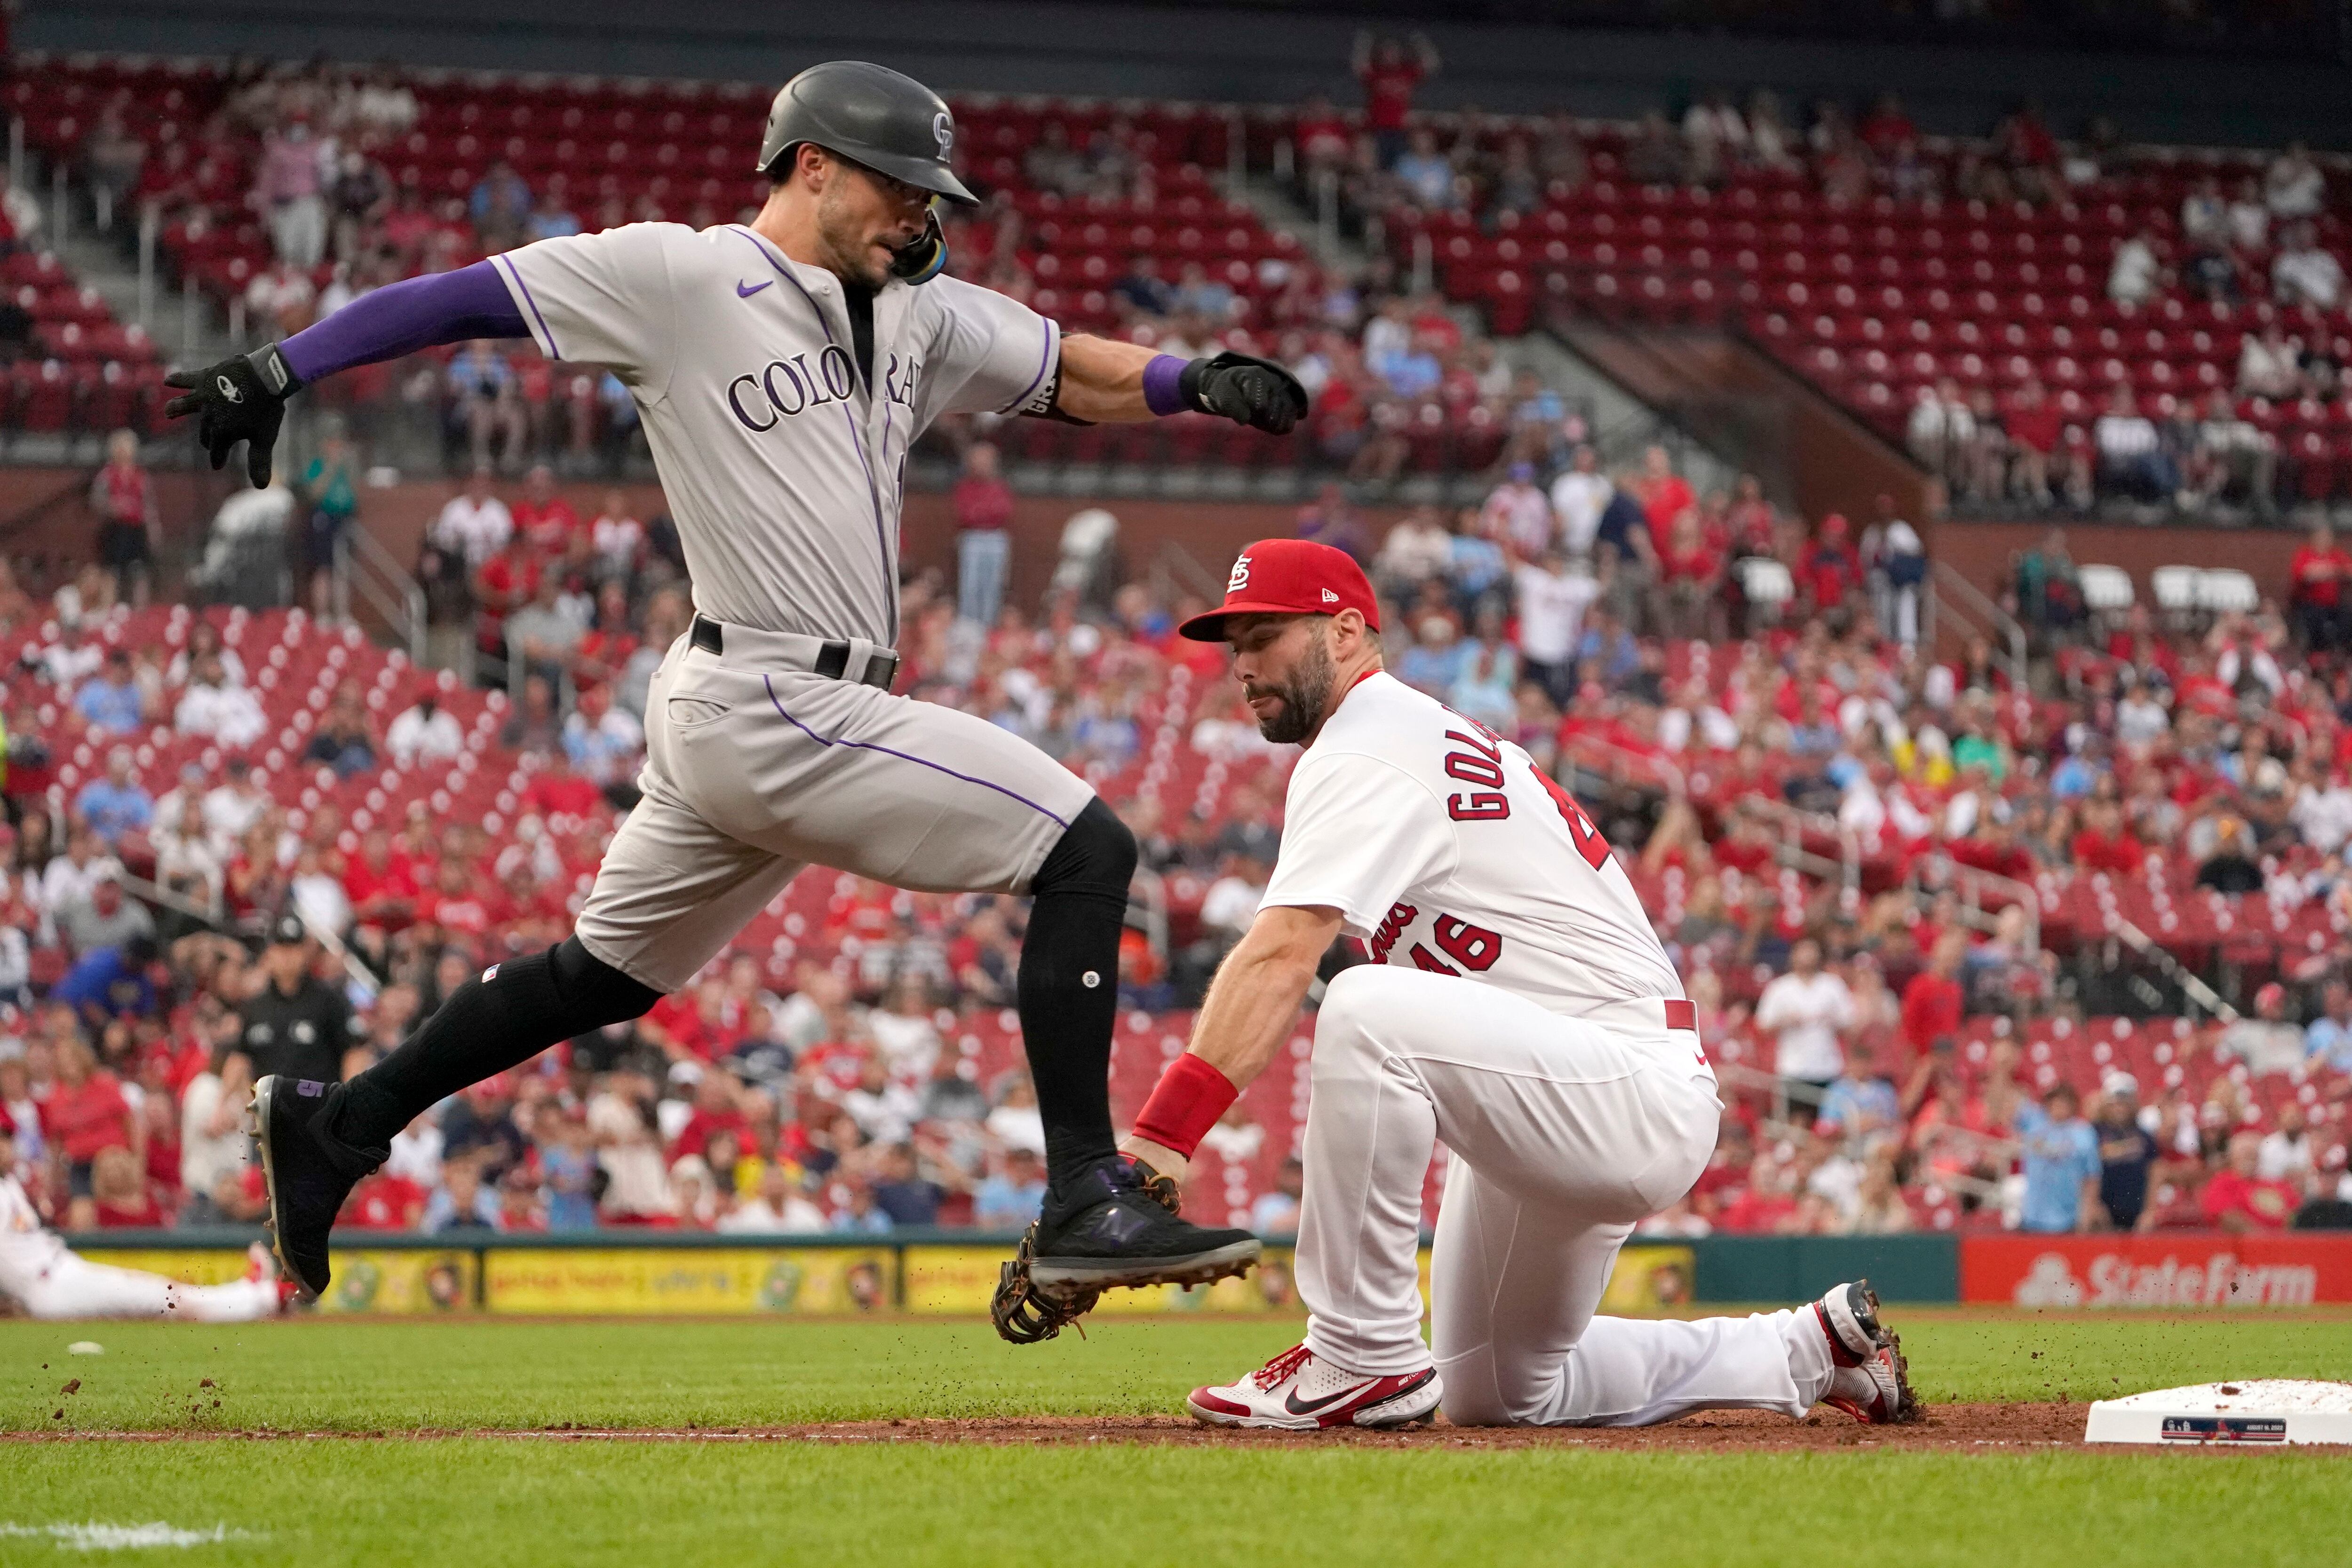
1445 848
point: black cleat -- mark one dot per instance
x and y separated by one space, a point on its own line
1113 1232
306 1174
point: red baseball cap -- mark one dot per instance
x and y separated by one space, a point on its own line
1288 577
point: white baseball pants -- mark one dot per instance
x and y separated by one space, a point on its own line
74 1286
1564 1135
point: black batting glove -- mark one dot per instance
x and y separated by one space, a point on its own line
243 398
1247 390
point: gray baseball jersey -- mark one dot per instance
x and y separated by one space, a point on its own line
783 473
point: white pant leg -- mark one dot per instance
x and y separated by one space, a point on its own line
1593 1127
1564 1135
1633 1372
76 1288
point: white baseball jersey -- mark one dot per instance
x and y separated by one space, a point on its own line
1442 847
27 1249
783 469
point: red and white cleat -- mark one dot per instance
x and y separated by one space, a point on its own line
1869 1381
1296 1393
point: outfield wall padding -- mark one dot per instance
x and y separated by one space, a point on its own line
951 1273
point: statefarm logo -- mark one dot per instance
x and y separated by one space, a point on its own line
2115 1281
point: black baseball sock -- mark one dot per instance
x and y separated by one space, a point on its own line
1068 987
514 1011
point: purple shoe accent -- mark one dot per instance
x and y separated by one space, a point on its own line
743 293
903 757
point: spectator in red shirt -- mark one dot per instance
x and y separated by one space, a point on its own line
382 885
384 1201
120 1199
983 515
85 1113
2239 1201
718 1108
1391 72
543 517
1688 570
2035 427
1933 1002
456 907
1664 494
2317 574
2106 842
556 790
1886 127
1830 569
506 583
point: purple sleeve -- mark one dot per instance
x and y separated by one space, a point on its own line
1162 392
401 317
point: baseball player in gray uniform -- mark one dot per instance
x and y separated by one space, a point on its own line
784 368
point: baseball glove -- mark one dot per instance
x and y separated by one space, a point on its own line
1023 1313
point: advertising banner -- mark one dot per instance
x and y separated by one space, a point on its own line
2200 1270
959 1280
404 1280
730 1282
408 1280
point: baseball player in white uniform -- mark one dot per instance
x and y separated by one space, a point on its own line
1520 1009
48 1281
784 369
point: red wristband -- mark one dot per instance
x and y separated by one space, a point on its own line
1190 1097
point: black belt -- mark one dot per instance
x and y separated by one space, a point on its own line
832 661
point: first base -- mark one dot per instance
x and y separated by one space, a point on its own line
2258 1412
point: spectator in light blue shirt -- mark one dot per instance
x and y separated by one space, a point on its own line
2078 775
1011 1198
1861 1100
863 1215
2327 1041
1434 663
1410 373
1474 563
115 805
109 699
2061 1163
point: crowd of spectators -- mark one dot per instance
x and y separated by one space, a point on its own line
311 149
2268 237
835 1094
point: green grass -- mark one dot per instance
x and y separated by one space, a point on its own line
491 1501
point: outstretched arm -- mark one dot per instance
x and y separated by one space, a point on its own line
1104 381
243 398
401 317
1251 1006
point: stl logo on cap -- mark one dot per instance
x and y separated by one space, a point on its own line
1240 579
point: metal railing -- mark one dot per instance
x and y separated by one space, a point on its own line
2194 992
1983 894
1973 612
364 569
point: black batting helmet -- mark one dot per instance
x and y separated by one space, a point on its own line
873 115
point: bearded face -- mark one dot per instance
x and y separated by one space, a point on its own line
1288 706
